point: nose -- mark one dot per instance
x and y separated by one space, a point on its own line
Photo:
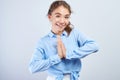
62 20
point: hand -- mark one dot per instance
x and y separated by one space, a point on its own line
61 48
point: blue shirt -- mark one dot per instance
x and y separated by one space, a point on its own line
46 56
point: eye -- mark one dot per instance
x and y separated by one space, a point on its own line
57 16
67 17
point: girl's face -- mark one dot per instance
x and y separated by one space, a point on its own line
59 19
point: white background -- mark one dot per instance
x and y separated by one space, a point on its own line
23 22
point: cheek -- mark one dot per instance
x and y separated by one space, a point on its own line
67 22
54 20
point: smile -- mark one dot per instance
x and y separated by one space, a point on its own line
61 25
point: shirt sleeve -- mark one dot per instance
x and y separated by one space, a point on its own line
85 46
39 62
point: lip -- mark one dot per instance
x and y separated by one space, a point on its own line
60 25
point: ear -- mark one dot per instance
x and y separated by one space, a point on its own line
49 16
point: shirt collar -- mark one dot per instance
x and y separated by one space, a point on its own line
51 34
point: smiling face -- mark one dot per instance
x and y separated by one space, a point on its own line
59 19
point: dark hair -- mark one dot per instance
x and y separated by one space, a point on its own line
55 5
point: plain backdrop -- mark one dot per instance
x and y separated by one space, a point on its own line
23 22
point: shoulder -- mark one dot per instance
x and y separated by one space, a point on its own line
76 31
77 34
41 41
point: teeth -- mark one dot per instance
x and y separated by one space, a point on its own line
60 25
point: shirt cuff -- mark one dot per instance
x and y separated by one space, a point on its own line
55 59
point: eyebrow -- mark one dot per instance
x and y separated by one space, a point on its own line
60 14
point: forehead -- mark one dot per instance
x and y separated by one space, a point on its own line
61 10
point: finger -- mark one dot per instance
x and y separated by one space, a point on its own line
59 41
60 53
63 50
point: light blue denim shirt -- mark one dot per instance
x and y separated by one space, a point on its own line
46 56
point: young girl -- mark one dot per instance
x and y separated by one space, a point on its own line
60 51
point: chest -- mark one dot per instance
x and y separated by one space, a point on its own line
51 44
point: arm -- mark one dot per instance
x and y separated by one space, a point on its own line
39 62
85 46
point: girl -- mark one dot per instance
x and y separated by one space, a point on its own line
60 51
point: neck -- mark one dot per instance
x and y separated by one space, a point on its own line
57 33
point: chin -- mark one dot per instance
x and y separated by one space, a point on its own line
60 30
